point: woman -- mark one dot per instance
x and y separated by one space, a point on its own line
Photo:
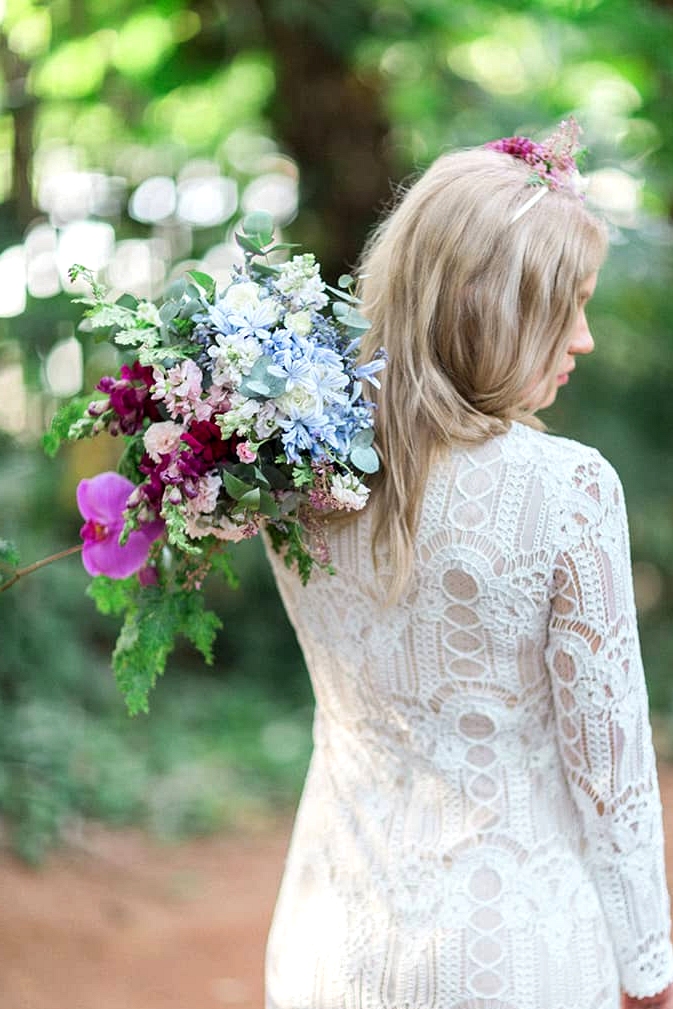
481 823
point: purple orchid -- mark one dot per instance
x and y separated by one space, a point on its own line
101 501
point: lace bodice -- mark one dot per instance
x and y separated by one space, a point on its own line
481 824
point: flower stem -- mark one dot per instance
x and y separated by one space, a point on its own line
40 564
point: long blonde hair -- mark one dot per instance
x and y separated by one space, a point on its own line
469 307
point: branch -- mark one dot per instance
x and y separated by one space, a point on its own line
40 564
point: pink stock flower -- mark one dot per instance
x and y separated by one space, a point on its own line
101 501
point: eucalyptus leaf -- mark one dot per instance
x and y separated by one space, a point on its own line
190 308
259 223
169 310
176 290
345 280
363 439
365 459
260 383
350 298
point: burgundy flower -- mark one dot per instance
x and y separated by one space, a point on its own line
208 446
129 398
102 501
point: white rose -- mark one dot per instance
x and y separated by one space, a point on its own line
298 402
240 296
299 322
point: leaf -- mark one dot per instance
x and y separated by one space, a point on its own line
245 243
66 415
169 310
205 282
363 439
350 298
345 280
113 595
260 225
268 504
9 555
235 488
104 316
352 318
153 621
176 290
251 498
261 382
365 459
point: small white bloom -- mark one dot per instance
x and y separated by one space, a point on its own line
299 322
349 492
222 529
266 421
149 313
233 357
162 438
300 281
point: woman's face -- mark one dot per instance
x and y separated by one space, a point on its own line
581 341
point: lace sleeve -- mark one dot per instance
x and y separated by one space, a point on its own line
604 734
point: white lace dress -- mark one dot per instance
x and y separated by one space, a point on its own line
481 824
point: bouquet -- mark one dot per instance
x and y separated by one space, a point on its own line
241 409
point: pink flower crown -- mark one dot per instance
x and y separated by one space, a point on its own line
553 165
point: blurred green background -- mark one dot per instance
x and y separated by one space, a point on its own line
132 139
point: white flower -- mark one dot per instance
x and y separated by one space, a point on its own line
222 529
266 421
299 402
149 313
299 322
162 438
233 357
349 492
300 281
240 296
240 417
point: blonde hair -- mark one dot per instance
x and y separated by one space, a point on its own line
469 307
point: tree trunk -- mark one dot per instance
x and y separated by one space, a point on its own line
21 106
330 119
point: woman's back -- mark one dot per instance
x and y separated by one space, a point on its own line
438 858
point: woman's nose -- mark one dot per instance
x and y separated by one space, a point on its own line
582 341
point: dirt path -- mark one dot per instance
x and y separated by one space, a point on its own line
124 922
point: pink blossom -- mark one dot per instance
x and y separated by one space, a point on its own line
162 438
207 490
245 453
181 390
102 501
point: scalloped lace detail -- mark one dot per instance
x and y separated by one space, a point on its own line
481 825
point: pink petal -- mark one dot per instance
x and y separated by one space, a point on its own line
107 557
103 498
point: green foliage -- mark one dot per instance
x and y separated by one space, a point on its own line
67 415
9 559
153 619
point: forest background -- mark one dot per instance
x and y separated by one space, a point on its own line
132 139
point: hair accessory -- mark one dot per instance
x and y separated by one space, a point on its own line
553 164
